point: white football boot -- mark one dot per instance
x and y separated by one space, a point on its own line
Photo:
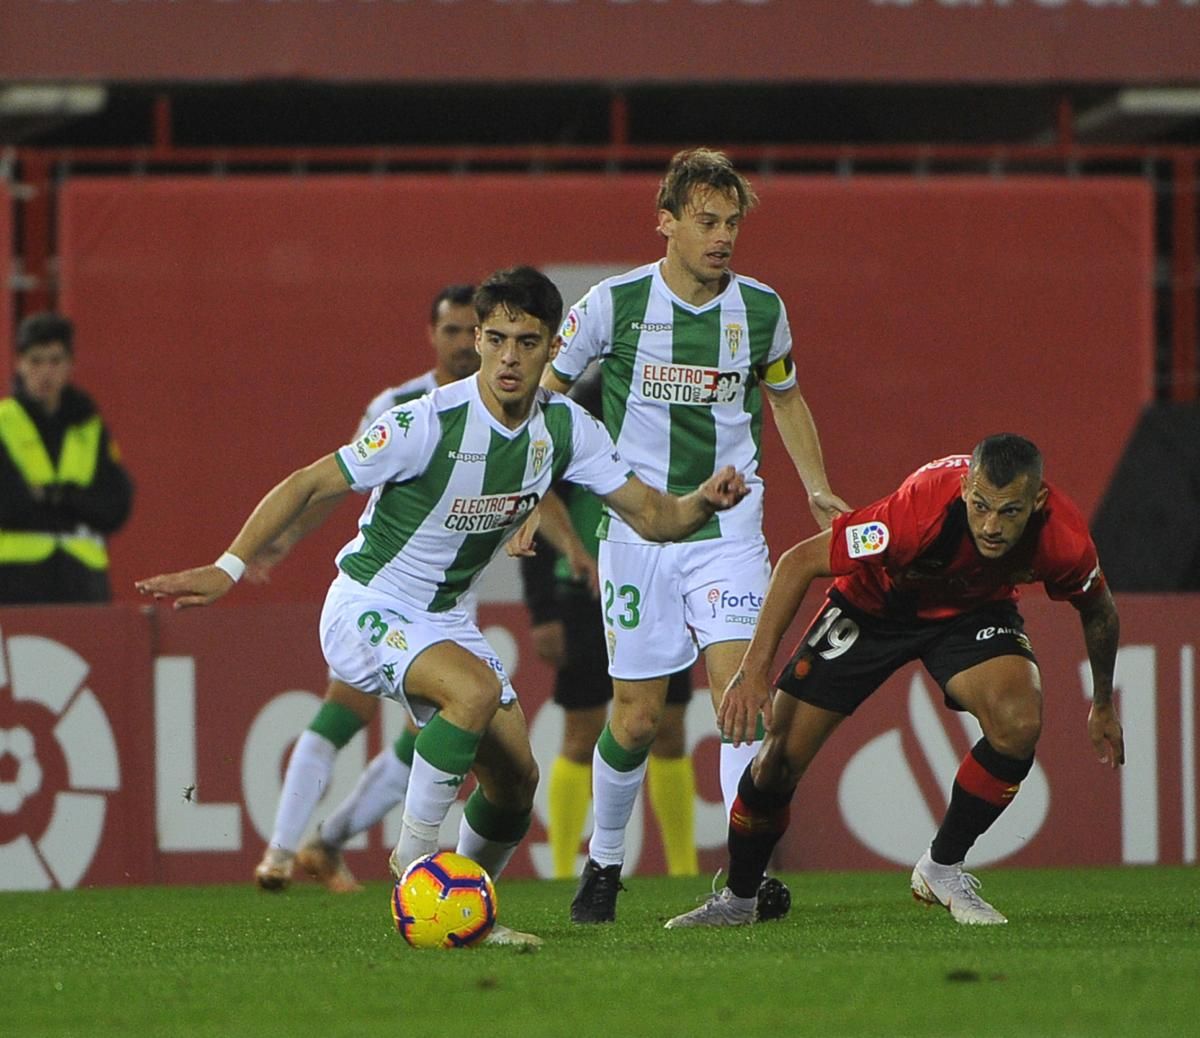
954 890
325 864
721 909
503 936
274 872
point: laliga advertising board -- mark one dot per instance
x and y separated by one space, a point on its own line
147 746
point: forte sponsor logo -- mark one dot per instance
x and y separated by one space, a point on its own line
728 601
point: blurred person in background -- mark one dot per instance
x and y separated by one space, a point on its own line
568 633
63 490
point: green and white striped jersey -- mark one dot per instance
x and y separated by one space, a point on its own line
449 485
681 383
401 394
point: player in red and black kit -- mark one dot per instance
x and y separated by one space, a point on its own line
930 573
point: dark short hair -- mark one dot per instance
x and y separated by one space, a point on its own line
455 295
1005 456
703 168
39 329
522 289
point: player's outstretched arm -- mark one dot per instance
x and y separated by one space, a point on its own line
668 517
749 692
798 431
553 521
1102 636
321 481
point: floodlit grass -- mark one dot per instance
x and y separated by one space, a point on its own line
1087 952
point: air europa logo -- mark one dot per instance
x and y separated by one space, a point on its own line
58 762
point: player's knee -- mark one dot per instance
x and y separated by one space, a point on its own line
636 724
771 769
479 700
1016 734
526 785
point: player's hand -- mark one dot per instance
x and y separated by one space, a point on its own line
521 544
189 587
1107 735
825 505
744 698
585 571
724 488
550 642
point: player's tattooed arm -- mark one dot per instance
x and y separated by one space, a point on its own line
1102 636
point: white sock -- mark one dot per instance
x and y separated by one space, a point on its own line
613 796
493 856
431 791
304 783
380 787
733 764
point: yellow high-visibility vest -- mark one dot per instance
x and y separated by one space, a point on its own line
76 464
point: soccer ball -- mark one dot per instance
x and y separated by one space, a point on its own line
444 900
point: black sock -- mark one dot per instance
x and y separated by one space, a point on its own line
985 785
756 823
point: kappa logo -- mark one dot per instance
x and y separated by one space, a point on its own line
403 420
866 539
58 764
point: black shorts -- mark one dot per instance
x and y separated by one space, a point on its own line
584 681
846 654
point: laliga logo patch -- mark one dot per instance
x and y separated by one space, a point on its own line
714 596
374 439
569 327
866 539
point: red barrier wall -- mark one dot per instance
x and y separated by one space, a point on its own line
605 40
143 747
232 329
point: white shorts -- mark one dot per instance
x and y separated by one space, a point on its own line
469 604
370 640
662 601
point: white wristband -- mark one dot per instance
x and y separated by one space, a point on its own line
231 565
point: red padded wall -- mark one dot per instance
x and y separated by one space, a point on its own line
235 327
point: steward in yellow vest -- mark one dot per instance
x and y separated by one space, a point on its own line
62 488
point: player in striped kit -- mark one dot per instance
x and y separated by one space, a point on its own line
684 344
451 476
344 712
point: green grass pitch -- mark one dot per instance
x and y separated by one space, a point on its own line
1087 952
